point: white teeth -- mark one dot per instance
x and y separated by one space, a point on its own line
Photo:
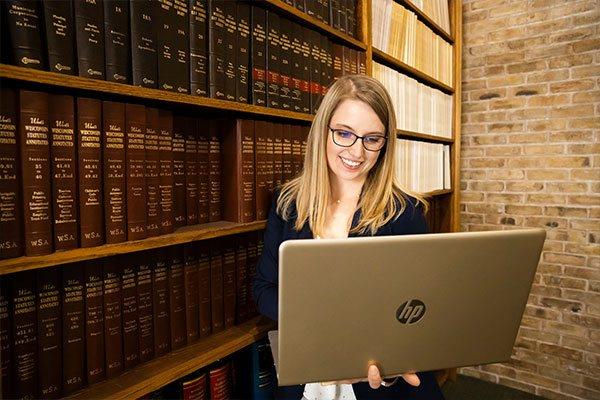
349 163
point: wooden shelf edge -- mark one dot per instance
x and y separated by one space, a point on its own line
402 134
427 20
382 56
183 235
329 30
136 92
160 371
438 192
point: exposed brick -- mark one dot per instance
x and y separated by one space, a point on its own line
572 86
591 149
536 379
505 127
548 76
547 125
565 259
546 199
565 211
567 187
570 60
563 352
564 329
527 162
554 100
504 198
543 149
503 81
585 200
583 224
590 71
499 151
583 110
528 66
527 138
586 45
524 186
523 210
511 174
487 162
570 136
584 123
552 395
516 384
579 391
572 162
548 174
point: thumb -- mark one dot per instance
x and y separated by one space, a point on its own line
412 379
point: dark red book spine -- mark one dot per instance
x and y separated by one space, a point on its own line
338 61
270 159
297 150
34 142
220 382
203 170
216 287
191 292
258 45
151 172
191 171
252 254
177 297
165 165
11 240
315 70
214 160
94 321
276 130
145 314
91 216
204 278
286 131
273 60
241 280
305 71
229 291
296 68
49 333
179 188
64 171
243 53
115 188
113 334
135 119
160 305
6 370
73 329
129 307
260 168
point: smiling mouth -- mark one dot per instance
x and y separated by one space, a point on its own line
351 164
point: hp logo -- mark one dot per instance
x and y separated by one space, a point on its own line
411 311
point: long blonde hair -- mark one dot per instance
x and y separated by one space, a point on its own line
382 199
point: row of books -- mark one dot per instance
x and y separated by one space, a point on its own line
436 10
66 327
225 49
423 167
340 14
81 172
419 108
398 33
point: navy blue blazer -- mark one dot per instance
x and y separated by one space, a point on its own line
265 291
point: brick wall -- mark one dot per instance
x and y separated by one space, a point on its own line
531 158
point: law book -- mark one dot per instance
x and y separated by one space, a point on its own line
261 170
353 61
6 369
202 129
243 53
59 24
329 64
230 46
362 62
315 71
116 40
347 62
216 49
305 132
192 296
258 47
285 64
24 335
195 387
114 179
288 162
166 38
34 143
160 304
24 26
204 300
220 381
198 47
270 159
299 4
181 49
165 170
252 258
91 213
94 321
179 187
49 332
319 4
191 169
306 69
144 55
273 60
229 281
214 165
89 37
334 6
151 172
296 67
241 280
338 60
275 132
216 287
297 159
144 269
177 297
341 11
135 125
73 328
311 8
351 17
113 334
238 171
129 310
11 240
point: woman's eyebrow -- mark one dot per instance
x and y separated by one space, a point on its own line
353 130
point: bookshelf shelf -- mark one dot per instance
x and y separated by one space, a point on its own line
398 65
181 235
315 23
426 20
160 371
402 134
94 86
439 192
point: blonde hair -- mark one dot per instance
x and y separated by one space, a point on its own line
382 198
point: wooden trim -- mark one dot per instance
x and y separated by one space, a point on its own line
456 17
396 64
440 192
182 235
330 31
129 91
402 134
160 371
428 21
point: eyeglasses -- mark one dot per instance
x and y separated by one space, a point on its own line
345 138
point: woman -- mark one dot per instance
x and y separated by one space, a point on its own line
347 188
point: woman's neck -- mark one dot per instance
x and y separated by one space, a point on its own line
343 190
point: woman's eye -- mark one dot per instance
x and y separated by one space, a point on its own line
345 134
373 139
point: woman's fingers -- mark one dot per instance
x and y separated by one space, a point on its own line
374 377
412 379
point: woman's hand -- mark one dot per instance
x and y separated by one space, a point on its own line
374 378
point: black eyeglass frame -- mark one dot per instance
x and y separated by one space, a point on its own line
356 137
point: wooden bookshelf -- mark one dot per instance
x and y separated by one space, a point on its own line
94 87
160 371
421 16
402 134
440 192
182 235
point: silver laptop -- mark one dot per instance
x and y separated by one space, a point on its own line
408 303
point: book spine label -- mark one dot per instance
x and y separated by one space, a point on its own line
58 16
273 60
73 329
260 166
214 160
229 293
296 68
241 278
160 303
129 307
287 152
64 168
306 70
143 44
145 313
297 149
216 288
203 171
230 46
115 188
89 34
89 121
11 241
165 165
258 45
269 160
165 13
198 45
136 184
191 173
191 292
181 49
216 50
24 29
49 332
285 66
275 132
117 41
179 187
243 53
151 172
112 318
248 192
177 298
35 167
94 322
315 71
204 279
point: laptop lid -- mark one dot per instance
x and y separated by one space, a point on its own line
409 303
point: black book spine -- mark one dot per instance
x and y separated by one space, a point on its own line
24 22
305 63
285 65
58 16
299 4
296 67
89 34
165 35
273 60
243 52
182 40
5 338
230 49
258 48
216 49
116 40
143 43
198 45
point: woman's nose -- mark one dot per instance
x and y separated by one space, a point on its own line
356 150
